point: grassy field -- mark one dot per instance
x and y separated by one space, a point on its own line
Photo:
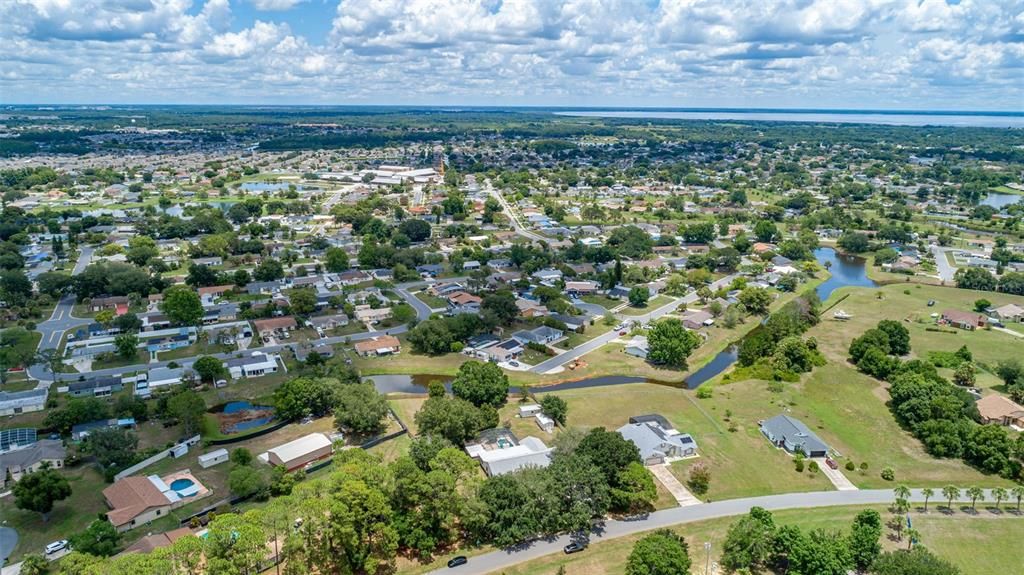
979 545
68 516
912 308
605 302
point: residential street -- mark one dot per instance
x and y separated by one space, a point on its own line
60 321
502 559
946 270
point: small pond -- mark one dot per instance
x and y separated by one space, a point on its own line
999 200
846 270
238 416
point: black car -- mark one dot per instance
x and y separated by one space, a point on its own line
456 561
575 547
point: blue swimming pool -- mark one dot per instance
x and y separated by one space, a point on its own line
184 487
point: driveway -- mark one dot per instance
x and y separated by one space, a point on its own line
663 473
945 269
8 540
835 476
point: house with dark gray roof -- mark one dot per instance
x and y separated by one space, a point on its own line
30 459
657 440
792 435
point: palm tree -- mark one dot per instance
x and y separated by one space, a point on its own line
1000 495
902 492
901 508
950 492
928 493
1018 494
975 493
912 536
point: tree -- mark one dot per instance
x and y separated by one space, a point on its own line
756 300
15 287
302 396
975 278
336 260
630 241
34 564
189 408
481 383
127 345
609 451
360 409
749 539
965 375
916 561
209 369
661 553
501 305
635 490
638 296
700 478
302 301
950 492
928 493
54 284
976 494
431 337
100 538
1018 493
670 343
898 336
765 231
268 270
854 242
245 480
822 553
454 419
416 229
38 491
554 407
78 410
201 276
182 305
113 447
999 494
864 538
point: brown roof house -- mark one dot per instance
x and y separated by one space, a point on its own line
384 345
266 326
1001 410
137 500
963 319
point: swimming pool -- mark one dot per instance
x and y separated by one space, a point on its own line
184 487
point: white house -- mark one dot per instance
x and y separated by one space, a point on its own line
255 365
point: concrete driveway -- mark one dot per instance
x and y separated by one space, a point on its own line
835 476
664 476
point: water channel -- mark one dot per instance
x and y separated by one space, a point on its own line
846 270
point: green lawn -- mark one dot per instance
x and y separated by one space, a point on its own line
198 348
589 333
432 301
603 301
405 407
652 304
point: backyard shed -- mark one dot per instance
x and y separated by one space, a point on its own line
295 454
212 458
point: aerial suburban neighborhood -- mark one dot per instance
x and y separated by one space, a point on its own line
249 339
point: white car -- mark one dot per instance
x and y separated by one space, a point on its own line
56 546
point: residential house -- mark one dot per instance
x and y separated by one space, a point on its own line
269 326
214 291
430 270
209 261
110 302
255 365
325 322
353 277
542 335
481 342
638 347
383 345
963 319
324 350
1008 313
580 288
462 302
792 435
500 452
266 288
657 440
158 377
1000 410
530 308
101 386
29 459
575 323
696 319
82 430
504 351
15 402
366 314
138 500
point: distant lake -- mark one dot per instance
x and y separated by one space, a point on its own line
999 200
977 120
846 270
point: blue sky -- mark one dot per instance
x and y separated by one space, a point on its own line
860 54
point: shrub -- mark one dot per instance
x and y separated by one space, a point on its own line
888 474
704 392
799 463
813 467
850 466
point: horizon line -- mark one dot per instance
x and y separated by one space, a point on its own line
541 107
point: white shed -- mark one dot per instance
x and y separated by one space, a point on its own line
546 423
213 458
529 410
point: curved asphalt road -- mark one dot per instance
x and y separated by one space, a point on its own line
612 529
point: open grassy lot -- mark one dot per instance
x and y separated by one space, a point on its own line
405 407
69 516
867 309
847 410
603 301
978 545
653 304
432 301
196 349
589 333
742 462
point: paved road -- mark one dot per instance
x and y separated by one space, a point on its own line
60 321
8 541
585 348
946 270
516 224
505 558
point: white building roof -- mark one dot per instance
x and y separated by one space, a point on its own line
301 446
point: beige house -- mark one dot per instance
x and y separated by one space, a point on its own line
366 314
18 462
1001 410
384 345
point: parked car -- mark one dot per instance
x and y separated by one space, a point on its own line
623 332
574 547
831 463
56 546
931 302
456 561
514 363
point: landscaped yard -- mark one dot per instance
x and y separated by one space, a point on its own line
196 349
432 301
603 301
652 304
590 332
